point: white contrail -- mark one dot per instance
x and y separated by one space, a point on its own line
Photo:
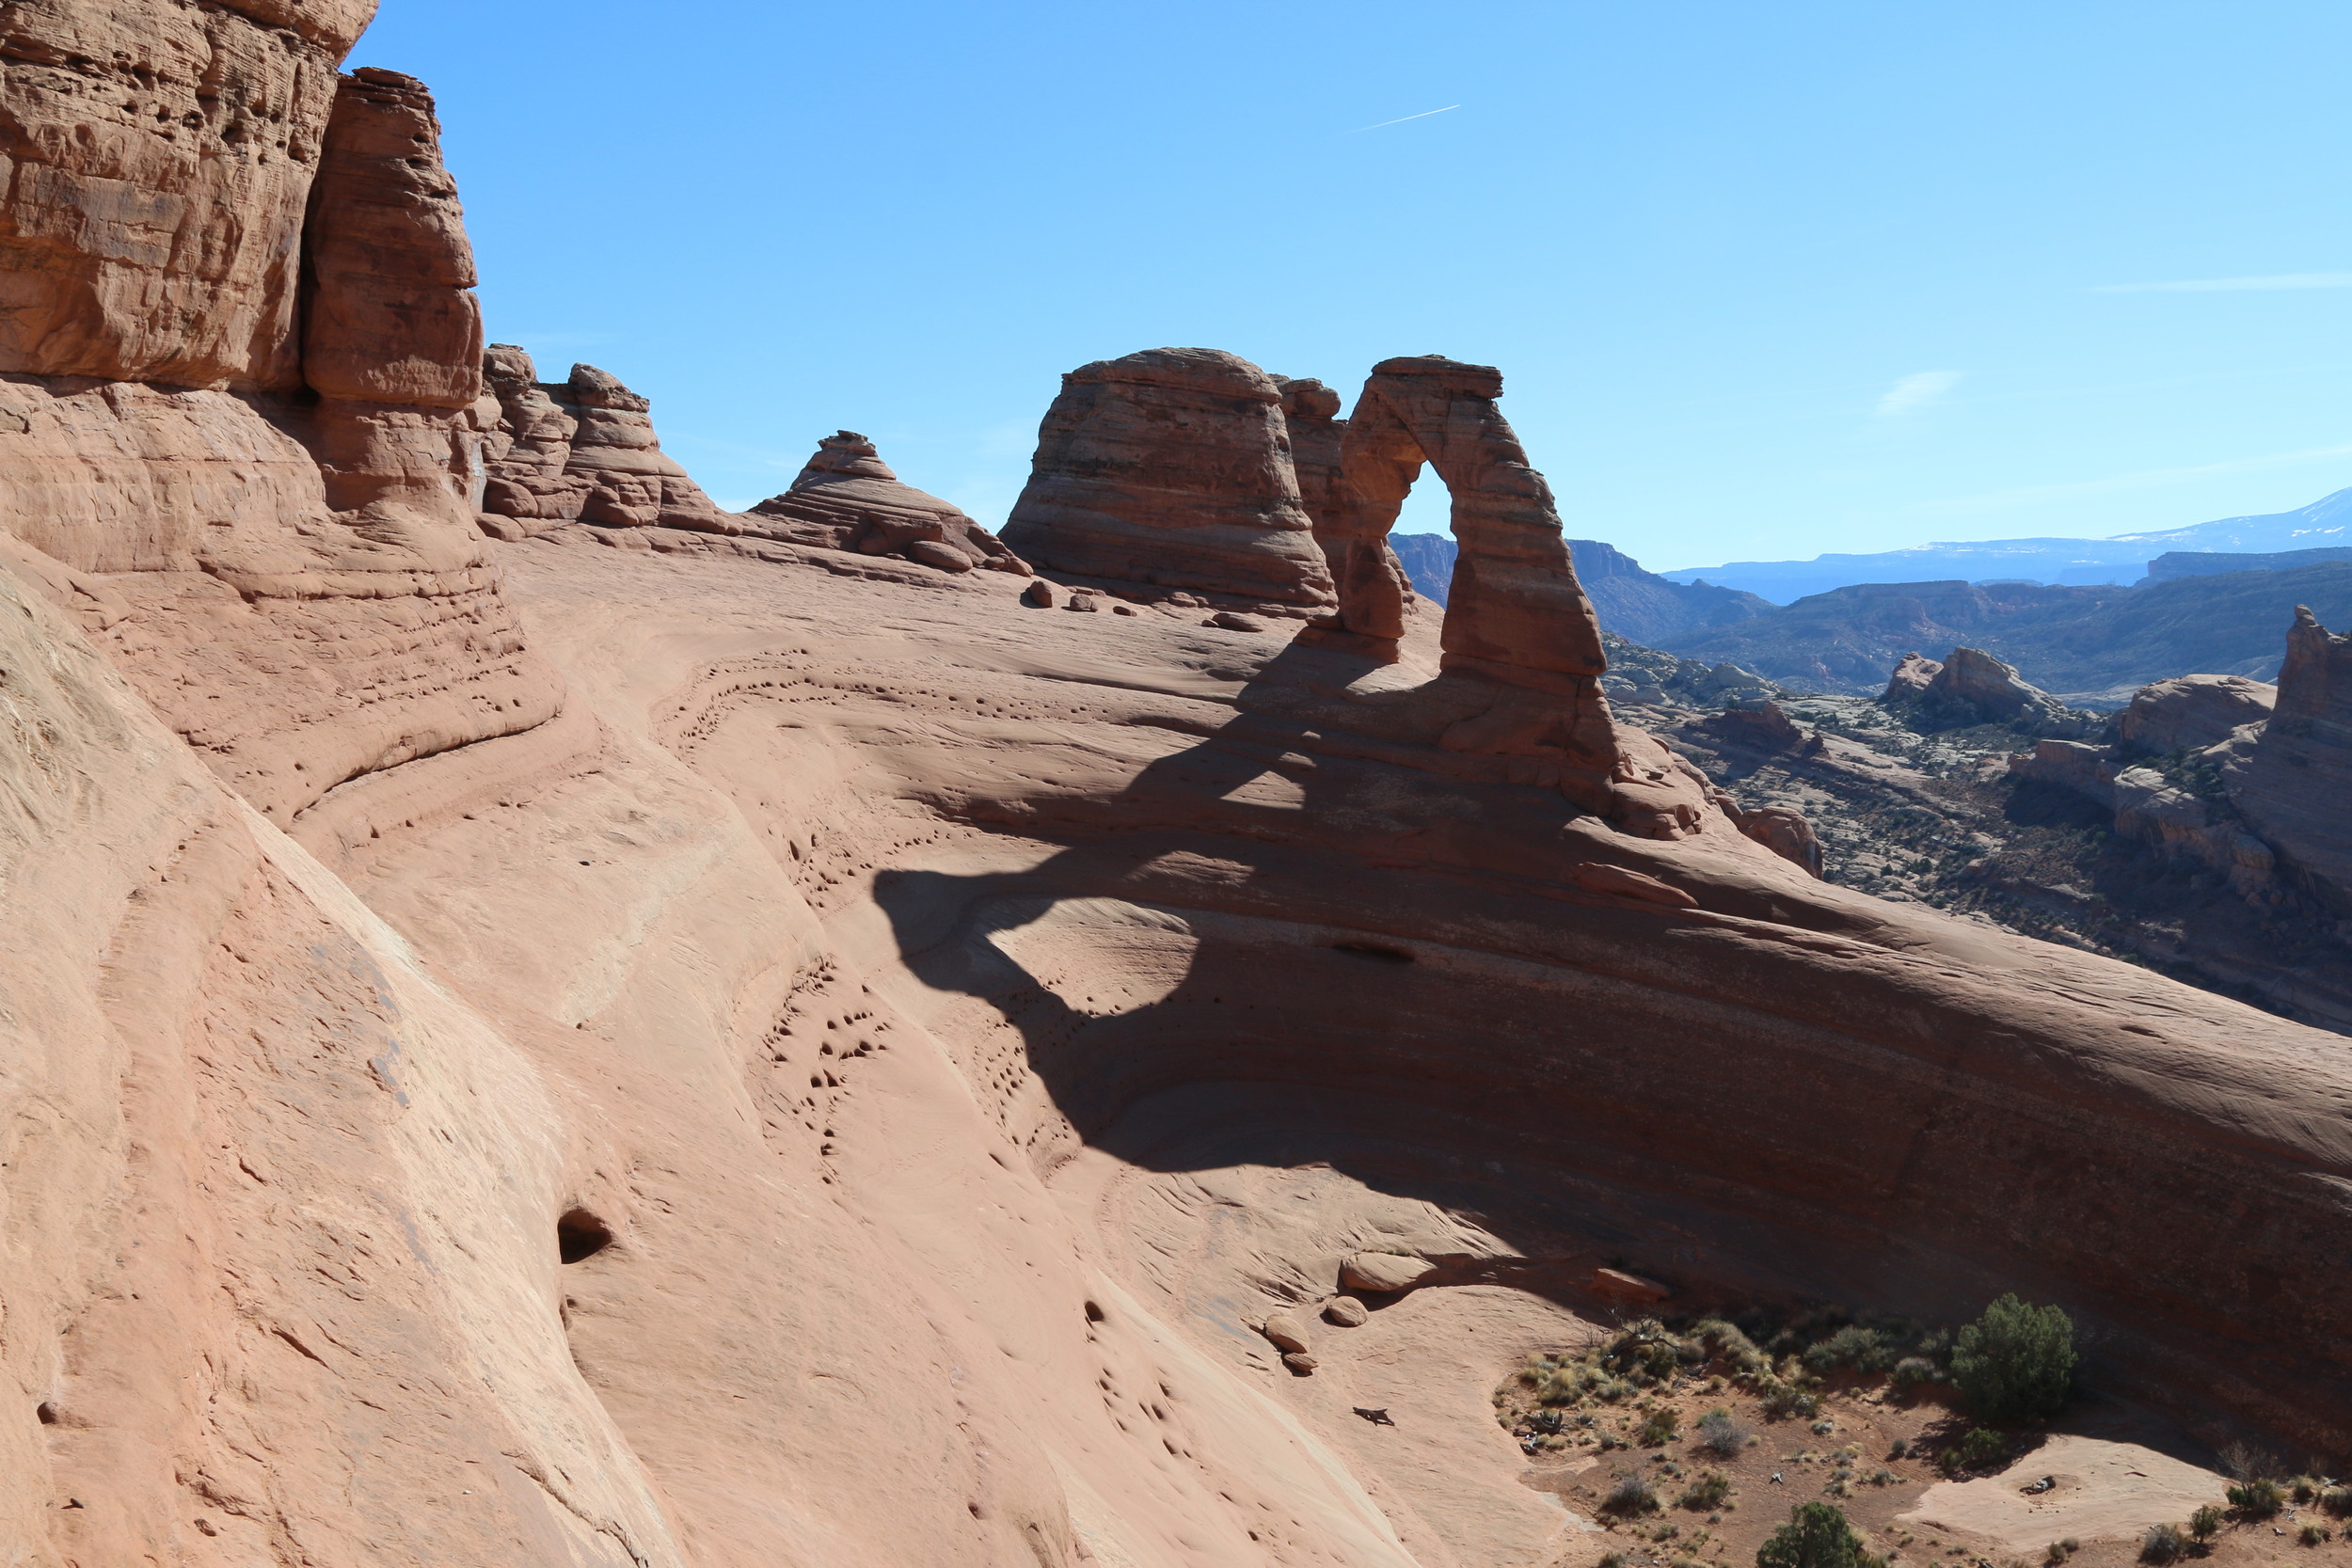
1424 115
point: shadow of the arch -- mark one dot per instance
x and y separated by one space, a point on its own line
1288 1030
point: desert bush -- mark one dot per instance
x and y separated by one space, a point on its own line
1913 1370
2258 1499
2016 1363
1663 1425
2338 1501
1900 1449
1710 1491
2311 1533
1631 1495
2205 1523
1865 1350
1784 1400
1978 1451
1560 1385
1720 1435
2246 1462
2162 1544
1816 1536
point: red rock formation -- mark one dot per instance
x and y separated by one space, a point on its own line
847 498
2289 781
1910 679
2193 710
1171 468
161 159
584 451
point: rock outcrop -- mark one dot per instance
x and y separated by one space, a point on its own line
811 1059
2194 711
584 449
847 498
1971 686
1171 469
2289 778
1913 675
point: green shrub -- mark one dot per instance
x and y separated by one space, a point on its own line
2311 1534
1706 1492
1900 1449
1663 1425
1560 1385
2162 1544
2016 1363
1785 1399
2205 1523
1865 1350
1816 1536
1913 1370
1980 1449
2338 1501
2258 1499
1631 1495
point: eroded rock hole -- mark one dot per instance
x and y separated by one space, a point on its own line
1373 951
47 1411
580 1235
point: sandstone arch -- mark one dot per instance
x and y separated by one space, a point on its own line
1516 611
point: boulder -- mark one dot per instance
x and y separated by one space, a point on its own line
1765 727
1172 467
1286 1331
1040 594
1232 620
2196 711
846 498
1300 1362
1384 1273
1345 1312
1785 832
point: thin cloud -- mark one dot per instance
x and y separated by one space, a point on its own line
2232 285
1402 118
2142 478
1917 391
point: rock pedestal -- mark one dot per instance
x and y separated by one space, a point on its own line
1171 468
584 451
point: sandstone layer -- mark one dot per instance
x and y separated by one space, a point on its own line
1171 468
847 498
722 1049
582 450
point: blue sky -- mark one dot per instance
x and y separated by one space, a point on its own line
1764 280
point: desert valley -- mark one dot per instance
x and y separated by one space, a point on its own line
548 1023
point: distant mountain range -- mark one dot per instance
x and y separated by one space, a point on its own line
1639 606
2205 612
2119 559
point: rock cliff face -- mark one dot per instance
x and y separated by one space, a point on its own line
1171 468
2289 780
717 1050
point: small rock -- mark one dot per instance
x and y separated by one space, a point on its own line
1384 1271
1123 610
1286 1332
1300 1362
1039 595
933 552
1082 600
1346 1311
1233 620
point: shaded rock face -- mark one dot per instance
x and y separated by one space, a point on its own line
584 449
1318 440
1171 468
162 158
2290 778
847 498
2193 710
